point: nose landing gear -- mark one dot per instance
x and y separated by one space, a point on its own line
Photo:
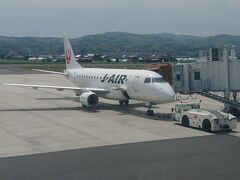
125 102
149 112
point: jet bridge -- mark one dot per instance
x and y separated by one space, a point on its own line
208 78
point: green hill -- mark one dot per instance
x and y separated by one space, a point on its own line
118 42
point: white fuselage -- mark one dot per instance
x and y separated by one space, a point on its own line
124 84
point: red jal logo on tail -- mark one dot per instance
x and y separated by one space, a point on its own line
68 55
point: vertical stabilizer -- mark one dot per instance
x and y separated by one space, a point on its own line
70 60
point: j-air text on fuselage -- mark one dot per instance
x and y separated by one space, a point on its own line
115 84
115 78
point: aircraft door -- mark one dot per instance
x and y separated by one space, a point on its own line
137 87
136 84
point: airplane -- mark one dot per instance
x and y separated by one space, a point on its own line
115 84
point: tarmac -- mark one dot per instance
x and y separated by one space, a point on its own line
51 124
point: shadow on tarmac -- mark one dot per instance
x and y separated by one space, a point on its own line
223 132
131 109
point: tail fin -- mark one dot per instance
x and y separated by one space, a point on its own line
70 60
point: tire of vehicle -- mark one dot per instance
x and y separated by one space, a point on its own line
206 126
235 111
185 121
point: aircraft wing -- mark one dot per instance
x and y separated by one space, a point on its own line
61 88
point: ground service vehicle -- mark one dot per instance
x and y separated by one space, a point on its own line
190 114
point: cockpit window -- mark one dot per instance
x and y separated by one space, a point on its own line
157 80
147 80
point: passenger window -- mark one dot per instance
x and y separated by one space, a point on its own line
147 80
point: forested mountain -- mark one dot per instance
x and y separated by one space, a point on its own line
118 42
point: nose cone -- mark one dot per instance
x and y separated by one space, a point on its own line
167 93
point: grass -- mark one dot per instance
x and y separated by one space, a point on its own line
52 66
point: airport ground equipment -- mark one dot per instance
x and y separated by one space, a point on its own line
189 114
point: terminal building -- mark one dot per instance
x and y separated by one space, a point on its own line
215 75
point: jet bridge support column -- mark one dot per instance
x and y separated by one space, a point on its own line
235 96
186 78
226 74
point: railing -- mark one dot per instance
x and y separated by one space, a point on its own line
220 99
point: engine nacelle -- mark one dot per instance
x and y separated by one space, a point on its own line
89 98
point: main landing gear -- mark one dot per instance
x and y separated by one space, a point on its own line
149 112
93 108
125 102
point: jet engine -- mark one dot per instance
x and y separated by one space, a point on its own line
88 98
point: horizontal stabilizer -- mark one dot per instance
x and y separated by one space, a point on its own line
52 72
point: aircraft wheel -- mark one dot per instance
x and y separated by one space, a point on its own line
121 102
150 113
126 102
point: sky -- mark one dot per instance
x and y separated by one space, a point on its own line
51 18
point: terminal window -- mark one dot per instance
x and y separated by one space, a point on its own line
197 76
178 77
